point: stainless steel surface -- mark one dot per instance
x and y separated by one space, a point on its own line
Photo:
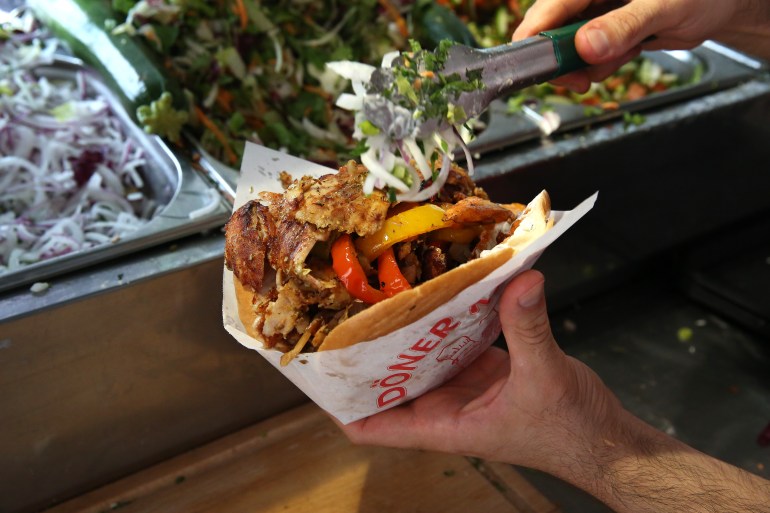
170 180
120 367
721 69
219 175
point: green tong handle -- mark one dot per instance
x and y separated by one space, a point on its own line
564 48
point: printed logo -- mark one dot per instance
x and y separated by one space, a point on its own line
459 351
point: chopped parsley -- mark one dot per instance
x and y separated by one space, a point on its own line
420 85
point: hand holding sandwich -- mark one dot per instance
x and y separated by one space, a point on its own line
537 407
610 40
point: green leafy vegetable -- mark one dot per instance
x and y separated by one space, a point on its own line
161 118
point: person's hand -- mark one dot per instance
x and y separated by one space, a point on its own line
610 40
534 406
530 406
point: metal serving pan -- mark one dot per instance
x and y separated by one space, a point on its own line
171 181
719 68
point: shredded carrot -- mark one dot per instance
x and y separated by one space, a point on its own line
317 91
515 8
255 122
218 134
225 100
240 10
395 16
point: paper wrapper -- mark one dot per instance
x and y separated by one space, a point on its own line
372 376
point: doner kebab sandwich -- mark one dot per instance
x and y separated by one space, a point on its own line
329 262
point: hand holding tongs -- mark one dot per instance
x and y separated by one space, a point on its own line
502 69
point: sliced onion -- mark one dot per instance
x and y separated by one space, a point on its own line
43 159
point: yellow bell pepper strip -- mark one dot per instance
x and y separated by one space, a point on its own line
345 263
391 280
400 227
461 235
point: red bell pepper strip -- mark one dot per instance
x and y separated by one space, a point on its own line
391 280
345 263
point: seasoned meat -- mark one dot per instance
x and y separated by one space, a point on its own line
287 313
255 232
433 263
246 239
458 186
475 210
321 287
286 179
337 202
408 262
288 307
292 244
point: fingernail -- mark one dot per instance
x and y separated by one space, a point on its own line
598 41
531 297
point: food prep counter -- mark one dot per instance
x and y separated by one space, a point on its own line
123 363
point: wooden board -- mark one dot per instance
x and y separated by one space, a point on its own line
300 462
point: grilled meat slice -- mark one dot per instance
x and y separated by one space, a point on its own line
321 287
288 250
459 185
337 202
434 263
287 308
246 243
475 210
286 313
255 233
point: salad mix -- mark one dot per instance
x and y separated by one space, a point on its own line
70 178
412 127
633 81
256 71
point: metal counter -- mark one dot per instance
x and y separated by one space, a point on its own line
119 367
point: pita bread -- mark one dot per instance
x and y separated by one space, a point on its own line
408 306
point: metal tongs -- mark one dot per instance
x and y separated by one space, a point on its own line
502 70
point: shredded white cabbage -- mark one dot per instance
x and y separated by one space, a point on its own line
69 175
413 152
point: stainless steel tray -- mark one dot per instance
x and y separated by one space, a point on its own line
720 68
170 179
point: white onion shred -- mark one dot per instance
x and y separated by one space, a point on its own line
416 152
69 176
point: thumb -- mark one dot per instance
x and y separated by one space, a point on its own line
617 32
525 322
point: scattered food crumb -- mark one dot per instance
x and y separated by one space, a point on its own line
669 429
691 349
760 466
570 326
39 287
684 334
701 323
